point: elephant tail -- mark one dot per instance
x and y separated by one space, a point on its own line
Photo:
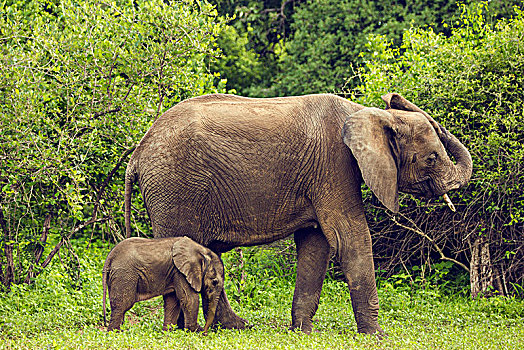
105 273
131 176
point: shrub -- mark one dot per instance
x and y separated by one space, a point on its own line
328 36
80 83
473 83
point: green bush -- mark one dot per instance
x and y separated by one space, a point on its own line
253 273
53 302
472 82
329 35
80 83
252 42
324 38
239 66
304 46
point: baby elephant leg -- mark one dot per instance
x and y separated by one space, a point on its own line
121 300
181 323
189 304
171 310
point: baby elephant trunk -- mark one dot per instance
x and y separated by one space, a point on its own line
211 314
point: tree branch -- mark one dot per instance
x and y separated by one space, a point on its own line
39 249
64 239
420 233
108 179
114 110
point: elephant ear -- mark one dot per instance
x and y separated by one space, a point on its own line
369 133
191 260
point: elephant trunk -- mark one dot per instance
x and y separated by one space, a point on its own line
464 164
210 317
460 173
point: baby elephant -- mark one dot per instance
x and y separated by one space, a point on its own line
178 268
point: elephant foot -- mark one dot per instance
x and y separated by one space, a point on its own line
377 330
231 322
197 329
113 329
369 325
304 327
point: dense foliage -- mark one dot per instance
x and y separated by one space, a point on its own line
305 46
343 27
473 83
80 83
252 42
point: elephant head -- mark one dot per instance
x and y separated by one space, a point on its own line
203 270
403 149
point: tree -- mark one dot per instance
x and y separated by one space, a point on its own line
253 42
314 46
80 83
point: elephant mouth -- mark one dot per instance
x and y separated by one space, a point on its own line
425 188
421 188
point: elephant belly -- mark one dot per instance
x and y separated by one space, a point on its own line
261 229
225 223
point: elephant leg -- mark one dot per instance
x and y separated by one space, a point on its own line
312 261
358 267
353 243
189 303
117 318
122 298
181 322
171 310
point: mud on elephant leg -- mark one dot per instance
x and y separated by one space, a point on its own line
312 261
364 297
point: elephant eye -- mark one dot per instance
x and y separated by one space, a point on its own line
432 159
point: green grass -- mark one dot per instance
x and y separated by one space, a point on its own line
53 314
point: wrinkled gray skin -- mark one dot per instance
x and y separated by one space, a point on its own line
177 268
238 171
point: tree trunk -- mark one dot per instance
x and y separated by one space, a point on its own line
241 268
485 278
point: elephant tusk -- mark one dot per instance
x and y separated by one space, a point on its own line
448 202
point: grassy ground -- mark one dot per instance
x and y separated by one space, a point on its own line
53 314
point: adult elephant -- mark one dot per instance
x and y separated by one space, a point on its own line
230 171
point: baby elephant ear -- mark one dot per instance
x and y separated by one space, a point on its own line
369 133
189 258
